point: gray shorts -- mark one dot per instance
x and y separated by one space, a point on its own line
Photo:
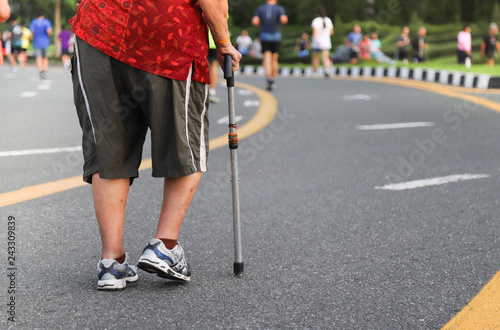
116 103
40 52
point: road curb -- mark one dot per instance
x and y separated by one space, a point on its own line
444 77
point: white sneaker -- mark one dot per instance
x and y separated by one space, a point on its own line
67 66
115 276
171 264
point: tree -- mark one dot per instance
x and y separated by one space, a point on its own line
467 10
440 12
57 11
495 15
483 10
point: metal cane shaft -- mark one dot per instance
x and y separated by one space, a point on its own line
236 208
233 146
235 182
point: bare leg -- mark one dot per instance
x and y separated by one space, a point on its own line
39 63
23 59
12 60
177 195
267 62
275 65
315 61
45 64
65 58
110 199
326 60
214 74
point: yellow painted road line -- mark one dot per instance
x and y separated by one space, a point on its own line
482 312
264 115
443 90
450 91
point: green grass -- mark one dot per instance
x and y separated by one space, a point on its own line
449 63
442 63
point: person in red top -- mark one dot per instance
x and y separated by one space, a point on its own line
4 15
4 10
142 64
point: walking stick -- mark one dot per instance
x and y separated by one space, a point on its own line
233 146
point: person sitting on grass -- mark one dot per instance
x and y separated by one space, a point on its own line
244 43
352 41
364 48
303 45
401 53
376 51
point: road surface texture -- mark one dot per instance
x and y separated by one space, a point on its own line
364 205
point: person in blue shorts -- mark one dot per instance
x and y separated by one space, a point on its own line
352 41
41 29
270 17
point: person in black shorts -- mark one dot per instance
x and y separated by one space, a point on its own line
120 93
402 45
15 33
270 17
420 46
490 46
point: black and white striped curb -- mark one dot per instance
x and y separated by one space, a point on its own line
452 78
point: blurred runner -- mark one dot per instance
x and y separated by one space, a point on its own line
66 38
41 29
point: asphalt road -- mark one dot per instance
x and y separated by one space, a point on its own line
324 246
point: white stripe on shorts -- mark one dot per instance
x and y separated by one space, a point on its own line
83 89
203 145
186 109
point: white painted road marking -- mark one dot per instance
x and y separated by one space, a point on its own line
38 151
357 97
225 120
244 92
394 126
251 103
44 87
29 94
433 181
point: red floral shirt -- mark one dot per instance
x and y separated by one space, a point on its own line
163 37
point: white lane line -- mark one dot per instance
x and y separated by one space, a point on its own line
225 120
38 151
394 126
44 87
244 92
433 181
28 94
251 103
358 97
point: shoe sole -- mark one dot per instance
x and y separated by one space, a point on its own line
154 265
117 284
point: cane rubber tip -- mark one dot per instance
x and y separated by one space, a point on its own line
238 269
